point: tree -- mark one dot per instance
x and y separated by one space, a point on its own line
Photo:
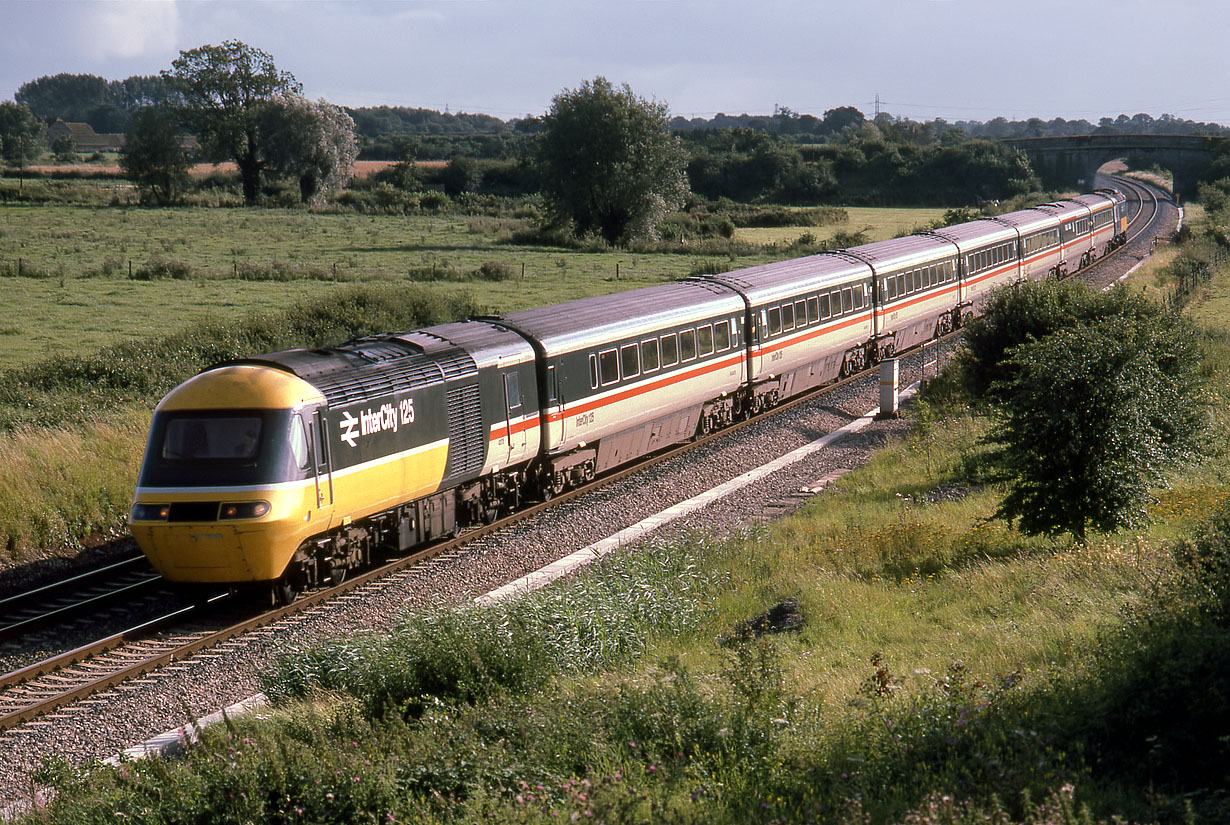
1090 419
23 137
608 162
312 142
226 89
70 97
1028 311
153 157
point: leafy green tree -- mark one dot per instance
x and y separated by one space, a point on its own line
1091 418
23 137
608 162
1031 310
313 142
226 90
153 156
70 97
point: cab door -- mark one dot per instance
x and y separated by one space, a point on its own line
322 460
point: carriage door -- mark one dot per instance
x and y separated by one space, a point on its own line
322 460
555 409
514 432
759 332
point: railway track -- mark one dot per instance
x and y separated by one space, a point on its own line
129 578
68 677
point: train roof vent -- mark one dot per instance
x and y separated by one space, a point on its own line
456 365
379 349
348 386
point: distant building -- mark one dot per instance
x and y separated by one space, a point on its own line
84 137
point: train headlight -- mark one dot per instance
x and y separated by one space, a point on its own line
150 512
243 509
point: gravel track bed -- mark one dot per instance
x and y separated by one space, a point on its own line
106 724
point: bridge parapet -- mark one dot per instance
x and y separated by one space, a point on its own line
1063 162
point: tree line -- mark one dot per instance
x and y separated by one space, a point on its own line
608 163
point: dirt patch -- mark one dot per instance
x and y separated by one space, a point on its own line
362 168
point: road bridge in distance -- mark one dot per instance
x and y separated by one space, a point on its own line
1071 162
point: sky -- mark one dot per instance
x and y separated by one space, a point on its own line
954 59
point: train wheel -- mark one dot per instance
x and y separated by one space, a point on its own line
285 590
337 574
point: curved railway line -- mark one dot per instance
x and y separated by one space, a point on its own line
43 686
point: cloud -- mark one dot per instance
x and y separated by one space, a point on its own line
127 29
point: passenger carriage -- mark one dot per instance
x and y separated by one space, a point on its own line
626 374
809 319
917 291
1038 245
988 257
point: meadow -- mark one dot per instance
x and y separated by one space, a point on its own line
82 278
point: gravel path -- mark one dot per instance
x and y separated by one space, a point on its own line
107 723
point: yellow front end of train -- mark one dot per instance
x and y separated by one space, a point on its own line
231 482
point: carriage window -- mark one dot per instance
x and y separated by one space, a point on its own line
670 350
704 337
918 280
630 360
649 355
847 300
721 335
835 302
512 390
593 372
813 310
687 345
608 366
823 305
800 313
858 296
775 321
900 285
787 316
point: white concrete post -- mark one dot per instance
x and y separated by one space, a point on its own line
889 376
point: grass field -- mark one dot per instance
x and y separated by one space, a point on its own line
878 224
77 295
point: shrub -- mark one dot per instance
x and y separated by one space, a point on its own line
160 266
494 271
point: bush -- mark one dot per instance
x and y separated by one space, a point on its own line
160 266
